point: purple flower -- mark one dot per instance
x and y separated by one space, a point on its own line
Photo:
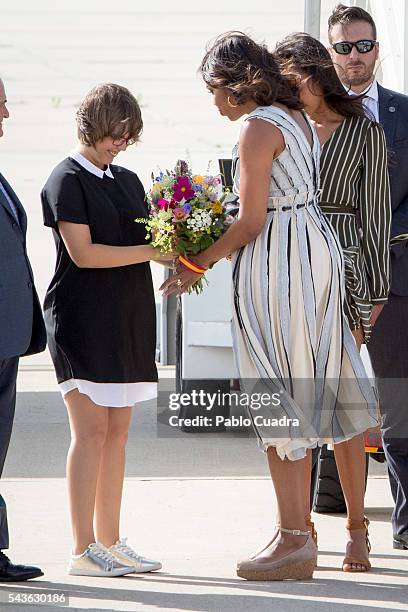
182 189
179 214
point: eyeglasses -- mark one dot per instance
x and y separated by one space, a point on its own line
362 46
123 141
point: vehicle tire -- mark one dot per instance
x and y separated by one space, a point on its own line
326 492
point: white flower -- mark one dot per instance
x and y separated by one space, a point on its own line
199 220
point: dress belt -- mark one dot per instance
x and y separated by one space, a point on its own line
292 202
285 207
333 209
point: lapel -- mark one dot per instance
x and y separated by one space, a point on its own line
21 212
388 109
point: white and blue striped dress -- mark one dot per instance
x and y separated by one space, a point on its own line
289 330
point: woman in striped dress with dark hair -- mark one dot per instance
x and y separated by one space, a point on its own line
355 198
290 335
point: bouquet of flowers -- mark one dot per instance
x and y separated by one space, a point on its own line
187 213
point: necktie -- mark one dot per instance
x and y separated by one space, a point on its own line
9 202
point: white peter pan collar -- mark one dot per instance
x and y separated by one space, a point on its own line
85 163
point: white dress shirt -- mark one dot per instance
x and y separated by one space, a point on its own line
370 102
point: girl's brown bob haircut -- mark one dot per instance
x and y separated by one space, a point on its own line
109 110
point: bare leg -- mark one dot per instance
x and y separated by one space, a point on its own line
307 483
88 423
291 505
351 465
307 463
111 475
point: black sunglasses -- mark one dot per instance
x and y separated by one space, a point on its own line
362 46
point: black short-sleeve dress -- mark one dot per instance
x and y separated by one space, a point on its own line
101 322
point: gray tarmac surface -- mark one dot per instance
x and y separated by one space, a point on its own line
198 503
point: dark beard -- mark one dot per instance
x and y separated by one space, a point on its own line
365 78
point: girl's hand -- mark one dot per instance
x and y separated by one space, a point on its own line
171 265
163 257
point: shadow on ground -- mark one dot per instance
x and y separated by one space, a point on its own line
241 595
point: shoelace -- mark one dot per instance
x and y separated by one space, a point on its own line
104 555
124 548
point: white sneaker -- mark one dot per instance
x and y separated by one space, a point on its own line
97 561
126 555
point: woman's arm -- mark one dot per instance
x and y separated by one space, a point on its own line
260 142
375 209
85 254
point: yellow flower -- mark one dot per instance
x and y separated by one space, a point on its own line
198 179
217 208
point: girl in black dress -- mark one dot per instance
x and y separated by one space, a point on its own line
100 317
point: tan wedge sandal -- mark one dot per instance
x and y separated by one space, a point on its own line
309 523
298 565
313 532
348 559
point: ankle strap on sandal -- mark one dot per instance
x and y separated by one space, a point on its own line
352 524
296 532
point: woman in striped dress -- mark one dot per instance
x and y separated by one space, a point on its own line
355 198
290 339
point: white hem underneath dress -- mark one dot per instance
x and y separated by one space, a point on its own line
112 395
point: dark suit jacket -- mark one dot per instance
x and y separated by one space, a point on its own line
22 330
393 108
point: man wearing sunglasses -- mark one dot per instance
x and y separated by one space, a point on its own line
354 50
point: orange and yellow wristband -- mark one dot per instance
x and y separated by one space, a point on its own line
191 265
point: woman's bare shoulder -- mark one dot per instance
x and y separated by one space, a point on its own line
261 135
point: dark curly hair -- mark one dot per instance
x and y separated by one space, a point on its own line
307 55
248 70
